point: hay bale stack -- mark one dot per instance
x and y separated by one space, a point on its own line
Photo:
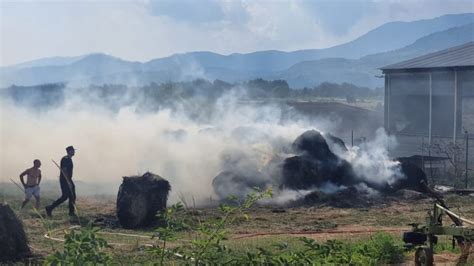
315 164
13 241
140 198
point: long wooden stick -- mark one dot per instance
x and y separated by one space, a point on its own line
65 175
21 188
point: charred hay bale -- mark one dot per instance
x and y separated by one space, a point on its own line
317 163
312 143
237 183
140 198
415 177
304 172
13 241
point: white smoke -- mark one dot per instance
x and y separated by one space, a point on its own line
282 197
371 160
111 145
331 188
364 189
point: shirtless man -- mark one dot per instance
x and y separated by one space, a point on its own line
33 179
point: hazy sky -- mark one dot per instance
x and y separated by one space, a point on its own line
145 29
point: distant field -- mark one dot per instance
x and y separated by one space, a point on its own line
343 118
373 104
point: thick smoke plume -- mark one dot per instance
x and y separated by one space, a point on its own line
126 142
187 147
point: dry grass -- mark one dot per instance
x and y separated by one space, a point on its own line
264 228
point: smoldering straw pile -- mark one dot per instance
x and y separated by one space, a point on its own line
312 166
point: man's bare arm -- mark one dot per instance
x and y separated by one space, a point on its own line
22 175
39 178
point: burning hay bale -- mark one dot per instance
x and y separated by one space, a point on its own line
316 164
319 165
13 241
415 179
303 172
313 144
409 177
140 198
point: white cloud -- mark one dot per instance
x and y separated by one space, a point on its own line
145 29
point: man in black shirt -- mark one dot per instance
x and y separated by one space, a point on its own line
68 189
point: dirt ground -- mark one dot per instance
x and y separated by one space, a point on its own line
265 225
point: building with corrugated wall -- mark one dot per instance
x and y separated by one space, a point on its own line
430 100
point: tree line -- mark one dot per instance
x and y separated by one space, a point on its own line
156 95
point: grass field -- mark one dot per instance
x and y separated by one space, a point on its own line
264 228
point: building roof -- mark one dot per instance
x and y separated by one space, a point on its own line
458 56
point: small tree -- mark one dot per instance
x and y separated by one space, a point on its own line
453 153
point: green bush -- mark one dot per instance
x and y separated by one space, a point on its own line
82 247
379 249
382 248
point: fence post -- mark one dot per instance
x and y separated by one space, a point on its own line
423 153
431 162
352 138
467 159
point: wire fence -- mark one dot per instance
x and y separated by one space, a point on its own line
445 161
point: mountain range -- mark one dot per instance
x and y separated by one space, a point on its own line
354 62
